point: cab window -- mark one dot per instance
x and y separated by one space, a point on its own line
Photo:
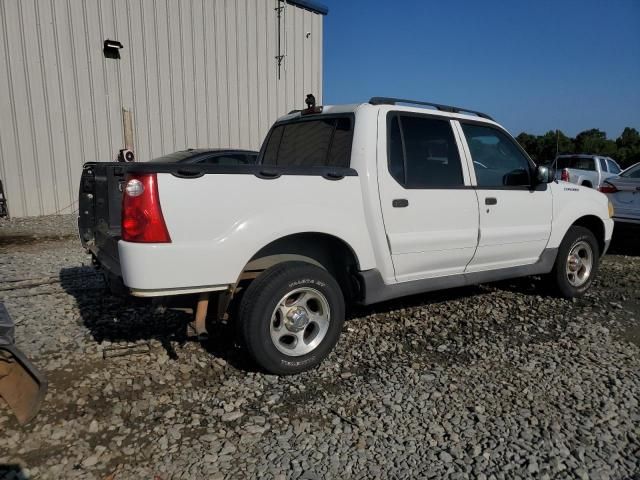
422 152
308 143
497 160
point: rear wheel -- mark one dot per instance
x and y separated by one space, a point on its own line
291 317
576 263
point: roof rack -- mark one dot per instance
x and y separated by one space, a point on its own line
438 106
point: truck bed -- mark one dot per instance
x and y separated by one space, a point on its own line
199 193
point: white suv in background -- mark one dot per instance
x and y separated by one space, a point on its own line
587 170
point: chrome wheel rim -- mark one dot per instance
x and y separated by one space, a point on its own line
300 321
579 263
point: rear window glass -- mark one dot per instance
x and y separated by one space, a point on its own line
307 143
579 163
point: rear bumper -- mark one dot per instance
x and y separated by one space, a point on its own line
162 269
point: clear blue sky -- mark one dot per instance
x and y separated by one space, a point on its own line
533 65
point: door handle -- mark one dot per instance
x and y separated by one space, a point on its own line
490 201
400 203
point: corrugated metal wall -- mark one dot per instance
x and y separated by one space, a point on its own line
195 73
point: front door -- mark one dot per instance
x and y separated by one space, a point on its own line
515 219
430 209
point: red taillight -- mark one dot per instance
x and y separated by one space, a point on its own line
564 175
142 219
607 187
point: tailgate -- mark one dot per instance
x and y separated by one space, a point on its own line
100 203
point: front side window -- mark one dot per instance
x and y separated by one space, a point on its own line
497 160
309 143
423 152
613 167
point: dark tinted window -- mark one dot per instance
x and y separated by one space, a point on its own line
497 160
579 163
340 151
396 156
273 143
423 152
613 168
325 141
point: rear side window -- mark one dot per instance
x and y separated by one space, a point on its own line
423 152
309 143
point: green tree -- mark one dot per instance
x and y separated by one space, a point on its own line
595 141
628 144
542 148
530 144
630 137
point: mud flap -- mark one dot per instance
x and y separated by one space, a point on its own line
22 386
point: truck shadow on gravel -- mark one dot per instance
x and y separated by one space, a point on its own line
124 320
120 319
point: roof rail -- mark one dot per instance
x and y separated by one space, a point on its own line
438 106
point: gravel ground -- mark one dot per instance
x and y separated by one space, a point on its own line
496 381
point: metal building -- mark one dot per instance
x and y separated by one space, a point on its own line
194 73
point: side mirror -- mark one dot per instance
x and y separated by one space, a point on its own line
543 175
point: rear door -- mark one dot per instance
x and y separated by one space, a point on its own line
429 208
515 219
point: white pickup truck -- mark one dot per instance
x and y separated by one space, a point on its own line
587 170
347 204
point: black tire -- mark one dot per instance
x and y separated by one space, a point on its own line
559 276
587 184
259 303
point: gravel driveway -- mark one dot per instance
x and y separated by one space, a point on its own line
496 381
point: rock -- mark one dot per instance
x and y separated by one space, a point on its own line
90 461
231 416
446 457
93 426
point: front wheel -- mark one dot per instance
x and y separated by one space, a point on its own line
577 262
291 317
